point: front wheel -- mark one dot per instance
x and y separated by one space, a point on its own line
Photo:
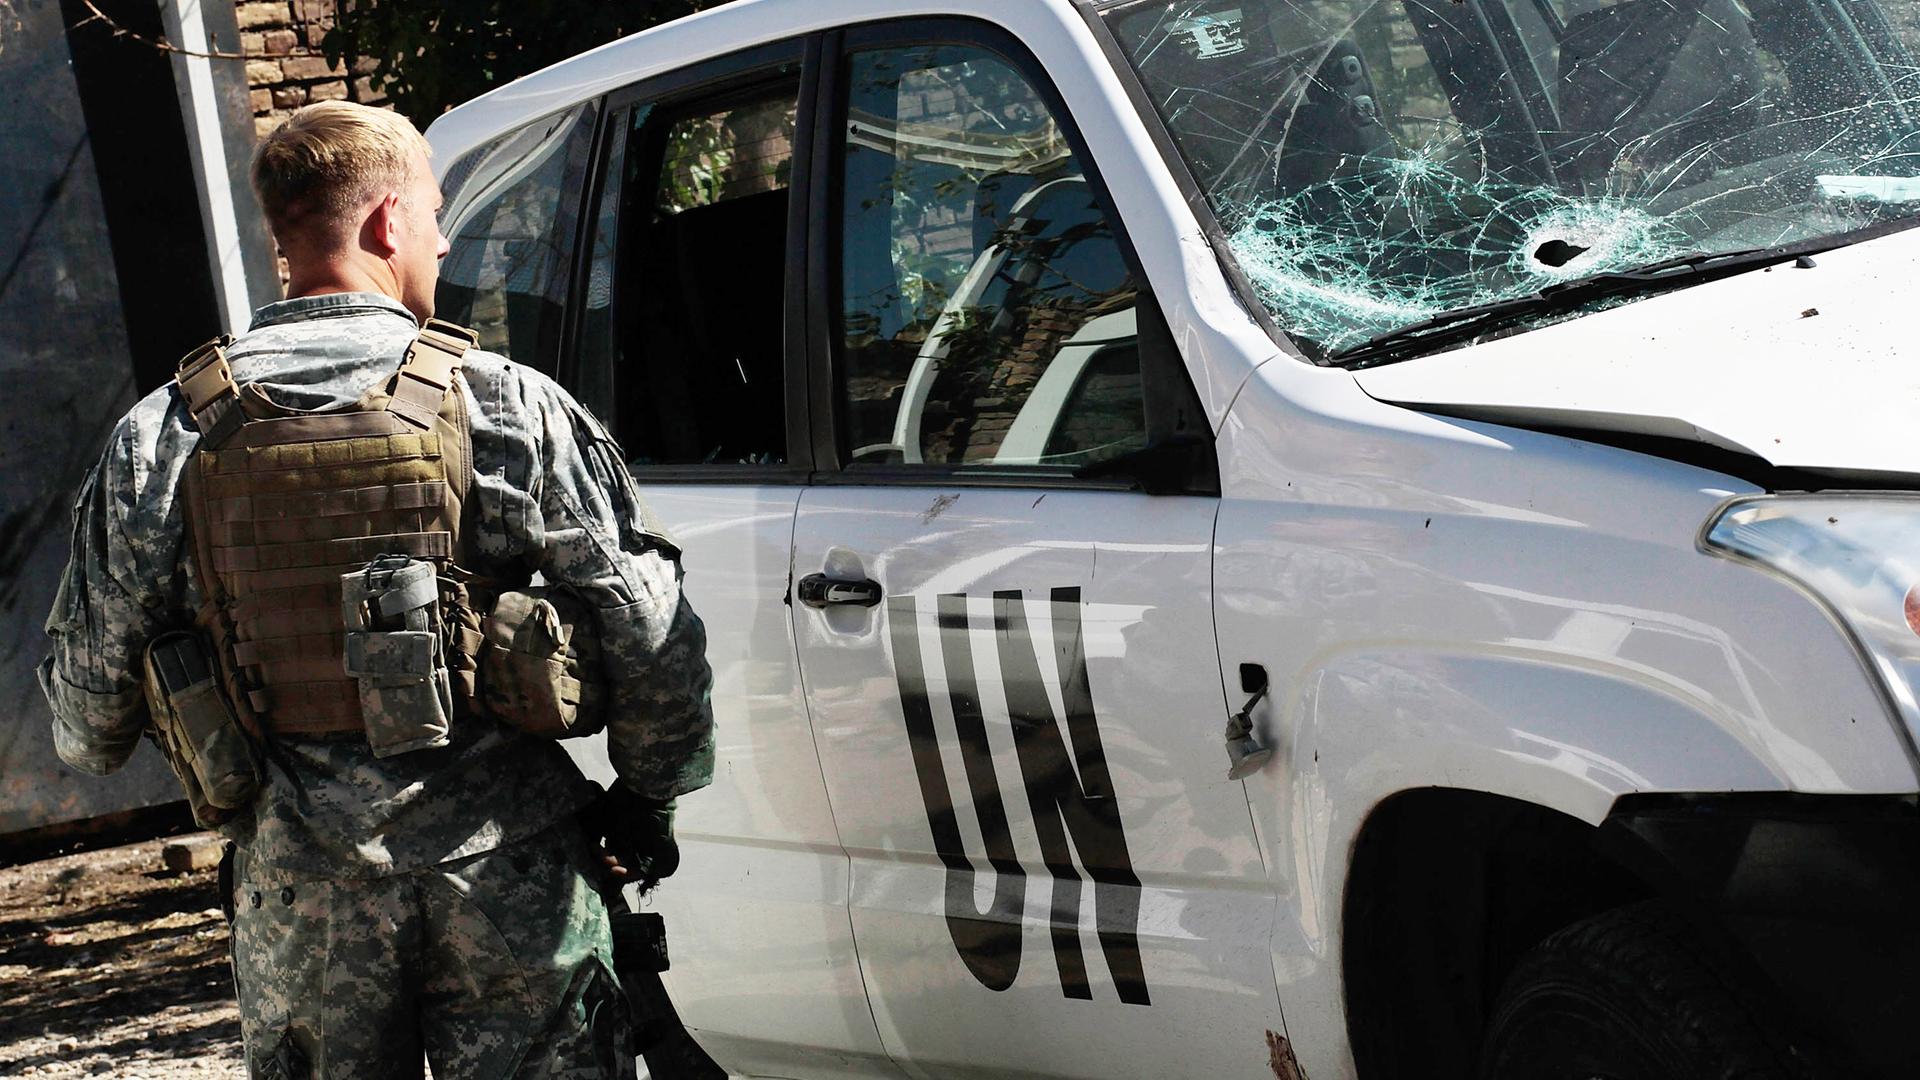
1633 994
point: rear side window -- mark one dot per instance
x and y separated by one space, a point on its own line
682 350
512 215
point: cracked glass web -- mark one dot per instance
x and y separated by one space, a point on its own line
1375 164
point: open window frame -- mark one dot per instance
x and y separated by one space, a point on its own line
684 92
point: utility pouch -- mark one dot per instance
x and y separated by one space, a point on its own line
639 942
195 727
540 663
391 608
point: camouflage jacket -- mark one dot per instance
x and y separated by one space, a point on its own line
553 496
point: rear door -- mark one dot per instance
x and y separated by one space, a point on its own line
1007 646
667 313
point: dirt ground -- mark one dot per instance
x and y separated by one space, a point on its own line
110 965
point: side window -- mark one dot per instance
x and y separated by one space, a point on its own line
986 314
681 350
512 214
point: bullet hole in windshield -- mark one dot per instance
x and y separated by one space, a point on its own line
1557 252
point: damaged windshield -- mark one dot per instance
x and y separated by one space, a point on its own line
1376 164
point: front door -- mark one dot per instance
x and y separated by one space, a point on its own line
1007 651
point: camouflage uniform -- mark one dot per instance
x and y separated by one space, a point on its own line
433 901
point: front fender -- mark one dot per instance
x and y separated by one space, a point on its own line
1545 659
1367 724
1371 723
1523 725
1448 603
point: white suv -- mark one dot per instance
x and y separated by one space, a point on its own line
1262 537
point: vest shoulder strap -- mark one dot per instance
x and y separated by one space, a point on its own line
206 386
427 373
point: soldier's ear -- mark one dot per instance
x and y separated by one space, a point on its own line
384 226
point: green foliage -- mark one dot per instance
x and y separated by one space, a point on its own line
431 55
740 150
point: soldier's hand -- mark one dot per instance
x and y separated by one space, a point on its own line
635 835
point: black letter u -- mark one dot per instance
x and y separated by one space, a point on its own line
989 941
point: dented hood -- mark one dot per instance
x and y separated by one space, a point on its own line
1813 368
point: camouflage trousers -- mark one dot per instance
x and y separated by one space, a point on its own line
497 965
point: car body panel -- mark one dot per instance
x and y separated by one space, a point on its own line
1449 603
779 916
1145 744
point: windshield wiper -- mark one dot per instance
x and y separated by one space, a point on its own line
1460 324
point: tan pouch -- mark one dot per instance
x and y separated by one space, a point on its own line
540 663
393 648
195 727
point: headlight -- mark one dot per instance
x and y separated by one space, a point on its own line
1860 554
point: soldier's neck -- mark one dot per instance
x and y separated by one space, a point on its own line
322 277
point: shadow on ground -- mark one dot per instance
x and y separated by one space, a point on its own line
105 956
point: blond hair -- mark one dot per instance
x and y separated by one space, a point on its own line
329 158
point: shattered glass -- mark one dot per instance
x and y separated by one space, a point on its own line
1376 163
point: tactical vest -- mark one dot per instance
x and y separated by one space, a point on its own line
281 502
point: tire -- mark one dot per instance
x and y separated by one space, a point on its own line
1633 994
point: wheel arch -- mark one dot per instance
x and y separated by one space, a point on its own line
1446 889
1809 896
1404 763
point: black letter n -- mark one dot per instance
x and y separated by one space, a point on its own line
1079 797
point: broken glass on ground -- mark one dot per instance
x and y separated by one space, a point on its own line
1375 164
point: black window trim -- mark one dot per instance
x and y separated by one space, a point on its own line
567 367
1158 350
686 89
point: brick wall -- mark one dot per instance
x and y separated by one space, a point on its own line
287 69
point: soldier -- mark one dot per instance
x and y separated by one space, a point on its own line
431 892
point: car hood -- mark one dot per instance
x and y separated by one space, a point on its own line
1804 368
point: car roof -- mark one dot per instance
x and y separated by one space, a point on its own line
731 27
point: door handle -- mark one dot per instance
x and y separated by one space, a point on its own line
819 590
